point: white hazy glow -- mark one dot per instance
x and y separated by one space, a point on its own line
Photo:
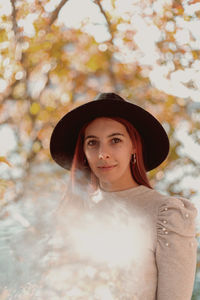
116 243
103 293
7 140
3 85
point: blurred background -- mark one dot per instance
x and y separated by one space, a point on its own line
56 55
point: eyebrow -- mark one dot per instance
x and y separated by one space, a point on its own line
111 135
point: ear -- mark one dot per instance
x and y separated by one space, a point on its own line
133 150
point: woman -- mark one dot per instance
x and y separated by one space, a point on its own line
109 144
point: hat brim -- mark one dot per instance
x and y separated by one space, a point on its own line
154 138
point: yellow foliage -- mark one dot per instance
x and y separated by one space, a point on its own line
35 108
4 160
50 108
3 35
187 18
196 54
44 116
4 184
36 146
95 62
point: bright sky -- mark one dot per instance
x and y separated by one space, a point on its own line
146 36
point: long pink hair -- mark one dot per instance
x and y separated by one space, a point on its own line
78 164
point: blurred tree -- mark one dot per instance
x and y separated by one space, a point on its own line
51 68
150 55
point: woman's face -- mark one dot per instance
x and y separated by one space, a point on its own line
108 149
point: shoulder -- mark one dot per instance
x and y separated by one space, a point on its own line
165 204
179 213
176 222
174 205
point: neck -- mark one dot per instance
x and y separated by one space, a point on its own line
115 187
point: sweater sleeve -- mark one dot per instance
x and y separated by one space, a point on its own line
176 249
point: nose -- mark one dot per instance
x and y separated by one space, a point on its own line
103 155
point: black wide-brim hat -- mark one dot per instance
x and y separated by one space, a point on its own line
64 136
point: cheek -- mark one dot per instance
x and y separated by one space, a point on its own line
91 156
124 151
125 156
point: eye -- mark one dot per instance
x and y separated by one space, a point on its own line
91 143
116 140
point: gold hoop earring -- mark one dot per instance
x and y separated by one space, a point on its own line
133 159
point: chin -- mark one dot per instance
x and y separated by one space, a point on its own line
108 180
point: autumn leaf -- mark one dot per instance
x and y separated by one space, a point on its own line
4 160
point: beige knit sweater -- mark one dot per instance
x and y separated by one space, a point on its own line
145 240
167 265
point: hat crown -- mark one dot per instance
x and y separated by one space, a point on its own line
108 96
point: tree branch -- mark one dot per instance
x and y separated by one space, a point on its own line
13 16
56 12
109 25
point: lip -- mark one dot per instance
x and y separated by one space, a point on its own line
106 167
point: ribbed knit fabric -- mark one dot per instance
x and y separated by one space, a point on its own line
164 264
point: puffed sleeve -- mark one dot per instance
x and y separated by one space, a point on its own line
176 249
